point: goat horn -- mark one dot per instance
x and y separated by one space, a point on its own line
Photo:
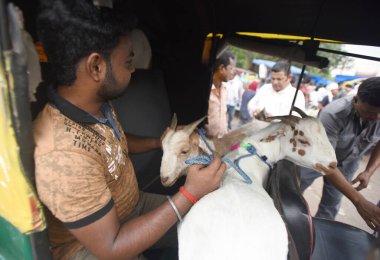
191 127
300 111
290 120
173 124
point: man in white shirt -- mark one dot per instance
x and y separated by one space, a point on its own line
234 87
276 98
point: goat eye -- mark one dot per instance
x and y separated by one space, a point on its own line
184 152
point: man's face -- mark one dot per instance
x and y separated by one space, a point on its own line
119 70
228 72
367 112
279 80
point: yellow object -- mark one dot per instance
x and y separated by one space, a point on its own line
278 37
19 204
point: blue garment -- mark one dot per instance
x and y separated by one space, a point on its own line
244 115
106 110
230 114
331 197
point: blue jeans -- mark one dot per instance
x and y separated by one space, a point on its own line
231 114
331 197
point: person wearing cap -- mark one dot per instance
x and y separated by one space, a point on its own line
84 176
332 90
353 128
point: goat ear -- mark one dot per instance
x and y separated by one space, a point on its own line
173 124
194 139
190 128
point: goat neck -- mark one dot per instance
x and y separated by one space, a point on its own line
268 141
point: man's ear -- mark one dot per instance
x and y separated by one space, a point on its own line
96 67
221 67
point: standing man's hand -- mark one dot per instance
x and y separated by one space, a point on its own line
363 179
369 212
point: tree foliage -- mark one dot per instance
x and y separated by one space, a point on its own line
245 58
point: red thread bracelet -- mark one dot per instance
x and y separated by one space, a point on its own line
190 197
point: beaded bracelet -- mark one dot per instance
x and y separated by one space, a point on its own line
174 208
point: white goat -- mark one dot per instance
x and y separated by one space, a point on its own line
239 220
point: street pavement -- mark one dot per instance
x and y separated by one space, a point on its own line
347 213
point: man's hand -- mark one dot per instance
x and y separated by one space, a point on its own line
369 212
202 180
327 170
256 112
363 179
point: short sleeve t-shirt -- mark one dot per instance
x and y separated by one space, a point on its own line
82 171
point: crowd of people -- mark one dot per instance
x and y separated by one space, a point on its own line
350 115
313 99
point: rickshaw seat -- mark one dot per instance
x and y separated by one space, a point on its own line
144 110
314 238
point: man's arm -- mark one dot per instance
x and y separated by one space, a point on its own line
373 164
253 104
367 210
106 238
140 144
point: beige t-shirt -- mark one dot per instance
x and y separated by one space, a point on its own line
82 170
217 112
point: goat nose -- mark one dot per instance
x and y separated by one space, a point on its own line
164 179
333 165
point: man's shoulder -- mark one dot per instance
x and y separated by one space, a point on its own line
337 112
341 107
53 131
44 126
264 89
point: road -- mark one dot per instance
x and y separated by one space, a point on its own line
347 213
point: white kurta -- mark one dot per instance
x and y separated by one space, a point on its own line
276 103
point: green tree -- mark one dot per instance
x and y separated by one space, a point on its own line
335 60
245 57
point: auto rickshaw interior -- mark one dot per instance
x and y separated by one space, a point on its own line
185 37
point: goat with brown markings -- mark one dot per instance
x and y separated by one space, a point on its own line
239 220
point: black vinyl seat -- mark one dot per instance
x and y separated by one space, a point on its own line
313 238
144 110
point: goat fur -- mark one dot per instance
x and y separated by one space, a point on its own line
240 221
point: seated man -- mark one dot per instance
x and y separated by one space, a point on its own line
84 175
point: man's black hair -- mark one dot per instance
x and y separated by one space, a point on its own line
306 79
369 91
73 29
224 59
281 65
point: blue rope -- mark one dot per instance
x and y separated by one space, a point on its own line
206 159
253 151
202 134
